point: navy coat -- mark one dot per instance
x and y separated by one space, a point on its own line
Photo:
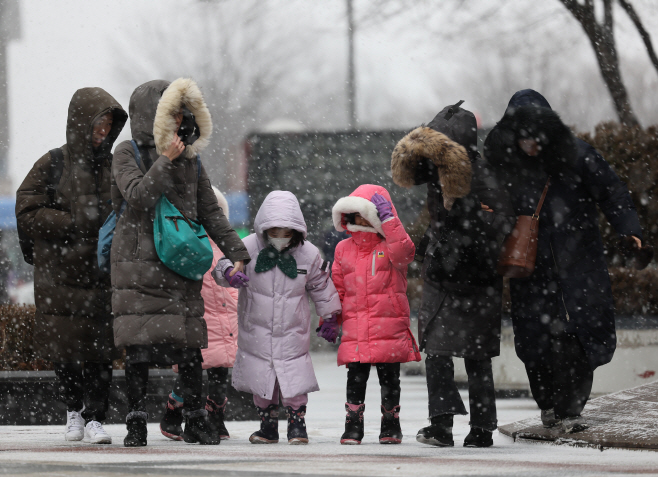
569 290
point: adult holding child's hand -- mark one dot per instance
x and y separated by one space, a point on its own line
159 314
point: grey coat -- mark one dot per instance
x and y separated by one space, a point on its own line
151 303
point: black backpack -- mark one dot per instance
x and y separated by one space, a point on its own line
55 174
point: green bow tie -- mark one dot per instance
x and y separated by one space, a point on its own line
270 257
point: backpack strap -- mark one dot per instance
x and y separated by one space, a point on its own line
55 173
138 160
138 156
198 167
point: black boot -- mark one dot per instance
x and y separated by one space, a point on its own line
439 433
353 424
478 437
197 428
172 420
137 432
216 417
390 430
297 426
269 426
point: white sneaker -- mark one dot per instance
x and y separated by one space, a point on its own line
75 426
95 434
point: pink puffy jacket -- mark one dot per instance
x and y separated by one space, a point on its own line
221 317
370 274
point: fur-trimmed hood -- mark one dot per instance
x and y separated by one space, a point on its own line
451 159
528 115
183 92
359 201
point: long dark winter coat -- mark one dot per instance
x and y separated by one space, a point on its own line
570 283
152 304
73 318
460 311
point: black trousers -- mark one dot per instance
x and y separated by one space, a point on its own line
190 375
563 381
217 384
389 381
444 396
85 384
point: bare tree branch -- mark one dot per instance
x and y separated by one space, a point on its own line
602 39
646 38
608 22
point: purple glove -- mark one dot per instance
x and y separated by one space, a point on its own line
329 329
238 280
384 207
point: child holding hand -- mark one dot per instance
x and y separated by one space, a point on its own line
370 274
274 319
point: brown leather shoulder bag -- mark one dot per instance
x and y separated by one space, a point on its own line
519 252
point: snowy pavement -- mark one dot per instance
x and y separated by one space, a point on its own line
41 450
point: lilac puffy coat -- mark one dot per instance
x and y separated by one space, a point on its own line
274 316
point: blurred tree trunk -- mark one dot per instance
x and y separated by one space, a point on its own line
602 38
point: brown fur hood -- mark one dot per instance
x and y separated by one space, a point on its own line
182 92
450 158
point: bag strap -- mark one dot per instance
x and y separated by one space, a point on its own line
55 175
543 197
138 156
198 167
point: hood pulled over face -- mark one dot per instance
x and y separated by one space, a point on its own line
359 201
87 106
279 209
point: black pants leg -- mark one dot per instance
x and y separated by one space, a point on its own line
481 393
191 379
97 380
71 387
572 376
218 384
443 394
389 381
137 378
540 377
357 380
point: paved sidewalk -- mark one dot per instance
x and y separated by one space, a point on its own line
42 450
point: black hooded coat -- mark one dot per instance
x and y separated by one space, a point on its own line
569 291
460 313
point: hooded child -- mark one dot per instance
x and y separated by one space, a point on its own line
274 318
370 274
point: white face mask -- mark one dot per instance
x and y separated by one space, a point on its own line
279 243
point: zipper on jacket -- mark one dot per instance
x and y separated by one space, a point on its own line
374 256
558 274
